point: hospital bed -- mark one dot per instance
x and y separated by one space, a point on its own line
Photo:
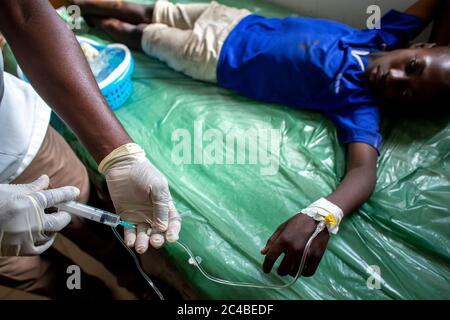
396 246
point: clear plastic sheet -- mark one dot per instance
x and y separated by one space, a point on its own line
403 229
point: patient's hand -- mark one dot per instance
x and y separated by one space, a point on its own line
290 238
422 45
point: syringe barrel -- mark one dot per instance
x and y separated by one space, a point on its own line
88 212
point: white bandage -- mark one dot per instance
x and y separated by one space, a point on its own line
324 210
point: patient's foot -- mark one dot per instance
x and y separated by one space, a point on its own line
126 33
133 13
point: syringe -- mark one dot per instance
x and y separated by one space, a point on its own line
94 214
109 219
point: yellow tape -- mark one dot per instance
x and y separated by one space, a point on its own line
329 219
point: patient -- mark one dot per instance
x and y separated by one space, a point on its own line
346 73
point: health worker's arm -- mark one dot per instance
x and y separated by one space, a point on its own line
290 238
50 56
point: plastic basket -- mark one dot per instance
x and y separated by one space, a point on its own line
117 86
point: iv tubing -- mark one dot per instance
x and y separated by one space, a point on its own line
318 229
138 265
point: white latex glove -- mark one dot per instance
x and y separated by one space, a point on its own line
25 229
141 195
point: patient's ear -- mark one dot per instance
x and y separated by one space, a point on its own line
423 45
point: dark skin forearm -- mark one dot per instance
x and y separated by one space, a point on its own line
441 28
51 57
439 11
359 181
425 9
291 236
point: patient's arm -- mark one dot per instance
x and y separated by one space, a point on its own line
439 11
441 29
425 9
360 179
52 59
290 238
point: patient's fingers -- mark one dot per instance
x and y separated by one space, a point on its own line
272 255
272 239
287 263
423 45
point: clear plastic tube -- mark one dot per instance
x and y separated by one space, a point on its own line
212 278
138 265
113 220
318 229
109 219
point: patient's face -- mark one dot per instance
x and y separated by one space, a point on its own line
410 77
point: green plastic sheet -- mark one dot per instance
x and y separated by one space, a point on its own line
402 231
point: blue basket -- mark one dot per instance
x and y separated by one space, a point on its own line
117 86
118 92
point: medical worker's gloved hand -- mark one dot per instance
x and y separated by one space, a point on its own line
141 196
25 229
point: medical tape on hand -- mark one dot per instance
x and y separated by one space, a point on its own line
128 149
324 210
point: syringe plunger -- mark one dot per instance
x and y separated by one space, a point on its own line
94 214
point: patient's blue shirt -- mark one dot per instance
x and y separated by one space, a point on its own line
313 64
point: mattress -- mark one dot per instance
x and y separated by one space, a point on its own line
396 246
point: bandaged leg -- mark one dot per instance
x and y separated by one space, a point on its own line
181 16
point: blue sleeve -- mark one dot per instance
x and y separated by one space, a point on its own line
399 28
358 124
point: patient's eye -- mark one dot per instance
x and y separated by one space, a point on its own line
412 66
